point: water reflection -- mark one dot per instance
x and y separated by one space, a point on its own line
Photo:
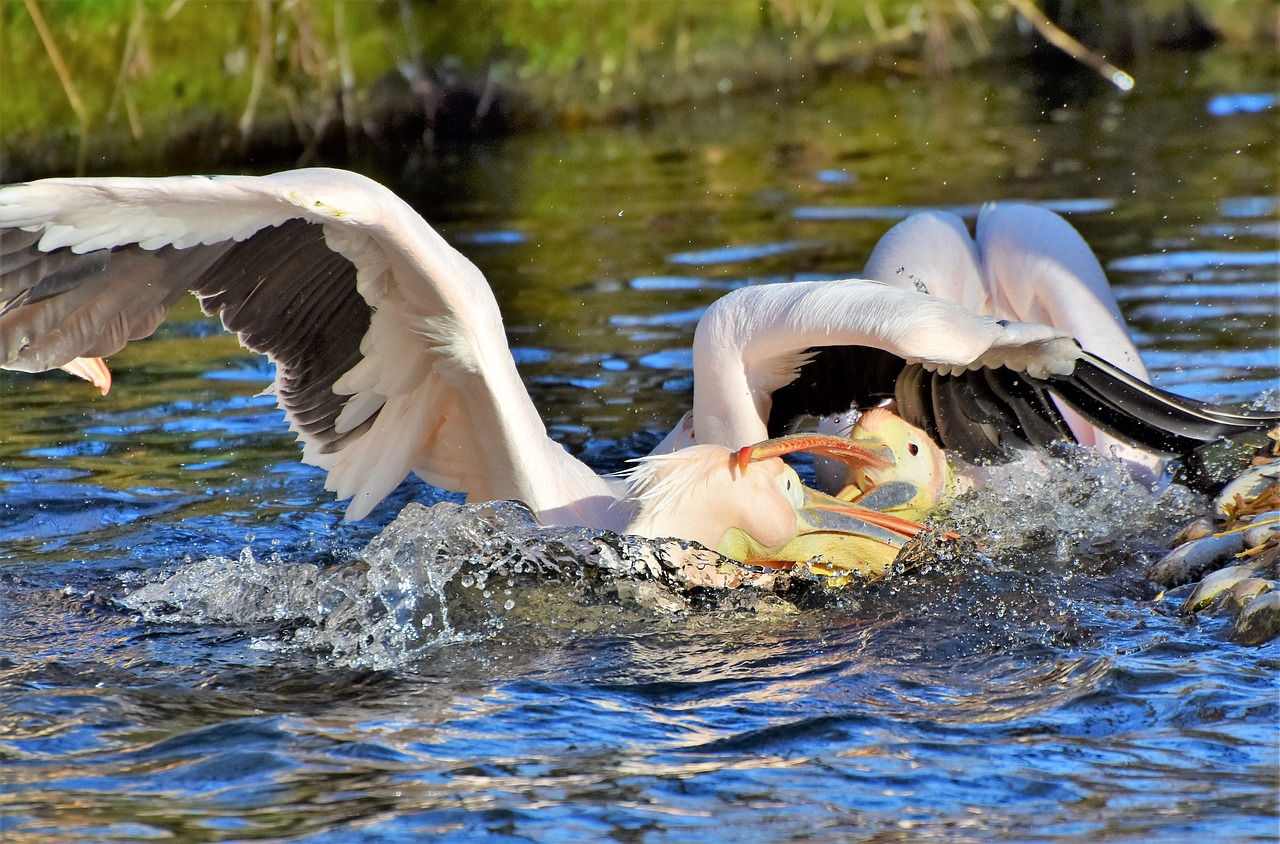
1026 688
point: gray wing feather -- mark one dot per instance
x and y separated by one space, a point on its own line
281 290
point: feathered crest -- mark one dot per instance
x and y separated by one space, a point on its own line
660 480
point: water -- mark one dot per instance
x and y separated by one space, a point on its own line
196 649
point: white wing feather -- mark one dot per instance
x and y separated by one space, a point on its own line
750 342
436 367
1027 264
1039 269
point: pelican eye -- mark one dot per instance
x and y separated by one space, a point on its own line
913 449
789 485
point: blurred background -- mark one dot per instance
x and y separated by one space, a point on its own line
613 168
107 85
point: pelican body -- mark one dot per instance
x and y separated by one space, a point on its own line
391 356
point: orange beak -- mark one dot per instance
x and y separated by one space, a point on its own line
845 537
853 452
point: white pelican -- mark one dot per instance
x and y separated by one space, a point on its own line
1025 263
918 477
729 501
389 347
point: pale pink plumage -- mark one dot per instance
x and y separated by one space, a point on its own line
434 380
1023 263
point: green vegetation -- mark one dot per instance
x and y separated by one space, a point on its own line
94 84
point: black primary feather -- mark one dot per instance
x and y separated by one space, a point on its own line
991 414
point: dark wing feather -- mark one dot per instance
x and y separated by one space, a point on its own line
834 379
963 424
1155 419
60 305
282 290
914 398
990 414
1035 420
981 415
311 331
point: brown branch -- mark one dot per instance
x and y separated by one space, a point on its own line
64 76
261 65
122 91
346 76
1073 48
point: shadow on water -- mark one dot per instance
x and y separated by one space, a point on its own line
194 647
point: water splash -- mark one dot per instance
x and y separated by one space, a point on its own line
1051 554
445 574
1067 507
453 573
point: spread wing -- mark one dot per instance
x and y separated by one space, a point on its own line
989 413
389 348
764 355
980 386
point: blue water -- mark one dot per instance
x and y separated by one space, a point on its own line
192 649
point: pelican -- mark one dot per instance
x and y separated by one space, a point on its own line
391 357
909 483
1023 263
750 506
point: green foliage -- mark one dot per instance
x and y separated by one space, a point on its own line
165 57
144 69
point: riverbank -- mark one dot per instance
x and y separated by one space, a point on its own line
147 86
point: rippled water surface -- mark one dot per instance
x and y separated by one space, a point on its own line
194 648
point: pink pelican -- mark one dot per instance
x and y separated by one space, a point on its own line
391 356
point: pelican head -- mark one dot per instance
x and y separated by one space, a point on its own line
750 506
701 492
915 477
